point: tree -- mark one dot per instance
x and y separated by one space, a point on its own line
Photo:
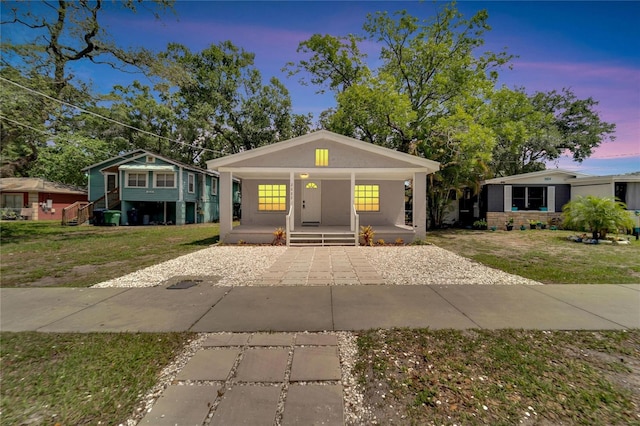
220 89
40 42
598 215
426 97
534 129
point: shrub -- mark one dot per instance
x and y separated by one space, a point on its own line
380 242
598 215
279 237
399 242
367 233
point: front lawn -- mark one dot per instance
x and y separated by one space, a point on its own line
545 256
503 377
80 379
47 254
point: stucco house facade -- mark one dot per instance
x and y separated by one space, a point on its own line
321 187
148 188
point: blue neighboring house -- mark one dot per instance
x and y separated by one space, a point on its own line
148 188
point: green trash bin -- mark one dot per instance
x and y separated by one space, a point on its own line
112 217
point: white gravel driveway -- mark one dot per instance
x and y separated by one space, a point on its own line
242 265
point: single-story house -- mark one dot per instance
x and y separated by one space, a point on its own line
148 188
540 196
36 198
320 187
625 188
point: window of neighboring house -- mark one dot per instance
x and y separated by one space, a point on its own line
12 201
367 198
136 180
529 197
191 183
165 180
214 186
272 198
621 191
322 157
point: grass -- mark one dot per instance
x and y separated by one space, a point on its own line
80 379
39 254
501 377
545 256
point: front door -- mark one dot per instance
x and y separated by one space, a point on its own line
112 181
311 203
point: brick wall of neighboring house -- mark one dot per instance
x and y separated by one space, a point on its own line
498 219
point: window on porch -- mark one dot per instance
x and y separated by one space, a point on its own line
367 198
272 198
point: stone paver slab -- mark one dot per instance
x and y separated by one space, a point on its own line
182 405
270 309
211 364
227 339
519 306
317 339
271 339
143 309
315 363
247 405
262 365
314 405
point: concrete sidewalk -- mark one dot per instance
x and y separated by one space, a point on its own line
320 308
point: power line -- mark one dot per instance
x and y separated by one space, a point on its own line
107 118
51 135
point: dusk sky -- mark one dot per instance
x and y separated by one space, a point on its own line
591 47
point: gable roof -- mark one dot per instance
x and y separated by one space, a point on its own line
138 153
28 184
528 177
418 162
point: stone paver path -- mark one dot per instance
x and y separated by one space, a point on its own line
321 266
256 379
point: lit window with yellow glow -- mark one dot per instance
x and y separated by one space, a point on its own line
272 198
367 198
311 185
322 157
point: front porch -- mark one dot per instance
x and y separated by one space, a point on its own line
318 235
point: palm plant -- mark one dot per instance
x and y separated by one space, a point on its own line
598 215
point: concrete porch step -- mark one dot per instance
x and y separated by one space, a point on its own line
308 238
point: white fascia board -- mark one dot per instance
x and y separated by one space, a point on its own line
218 163
527 176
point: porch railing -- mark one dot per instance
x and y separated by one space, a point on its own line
288 224
355 220
78 212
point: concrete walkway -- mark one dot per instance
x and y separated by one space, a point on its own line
320 308
259 379
246 376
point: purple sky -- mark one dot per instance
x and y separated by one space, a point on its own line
591 47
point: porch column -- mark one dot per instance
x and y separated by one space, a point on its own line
420 205
292 198
225 199
352 201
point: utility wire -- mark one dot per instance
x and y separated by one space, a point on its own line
107 118
51 135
